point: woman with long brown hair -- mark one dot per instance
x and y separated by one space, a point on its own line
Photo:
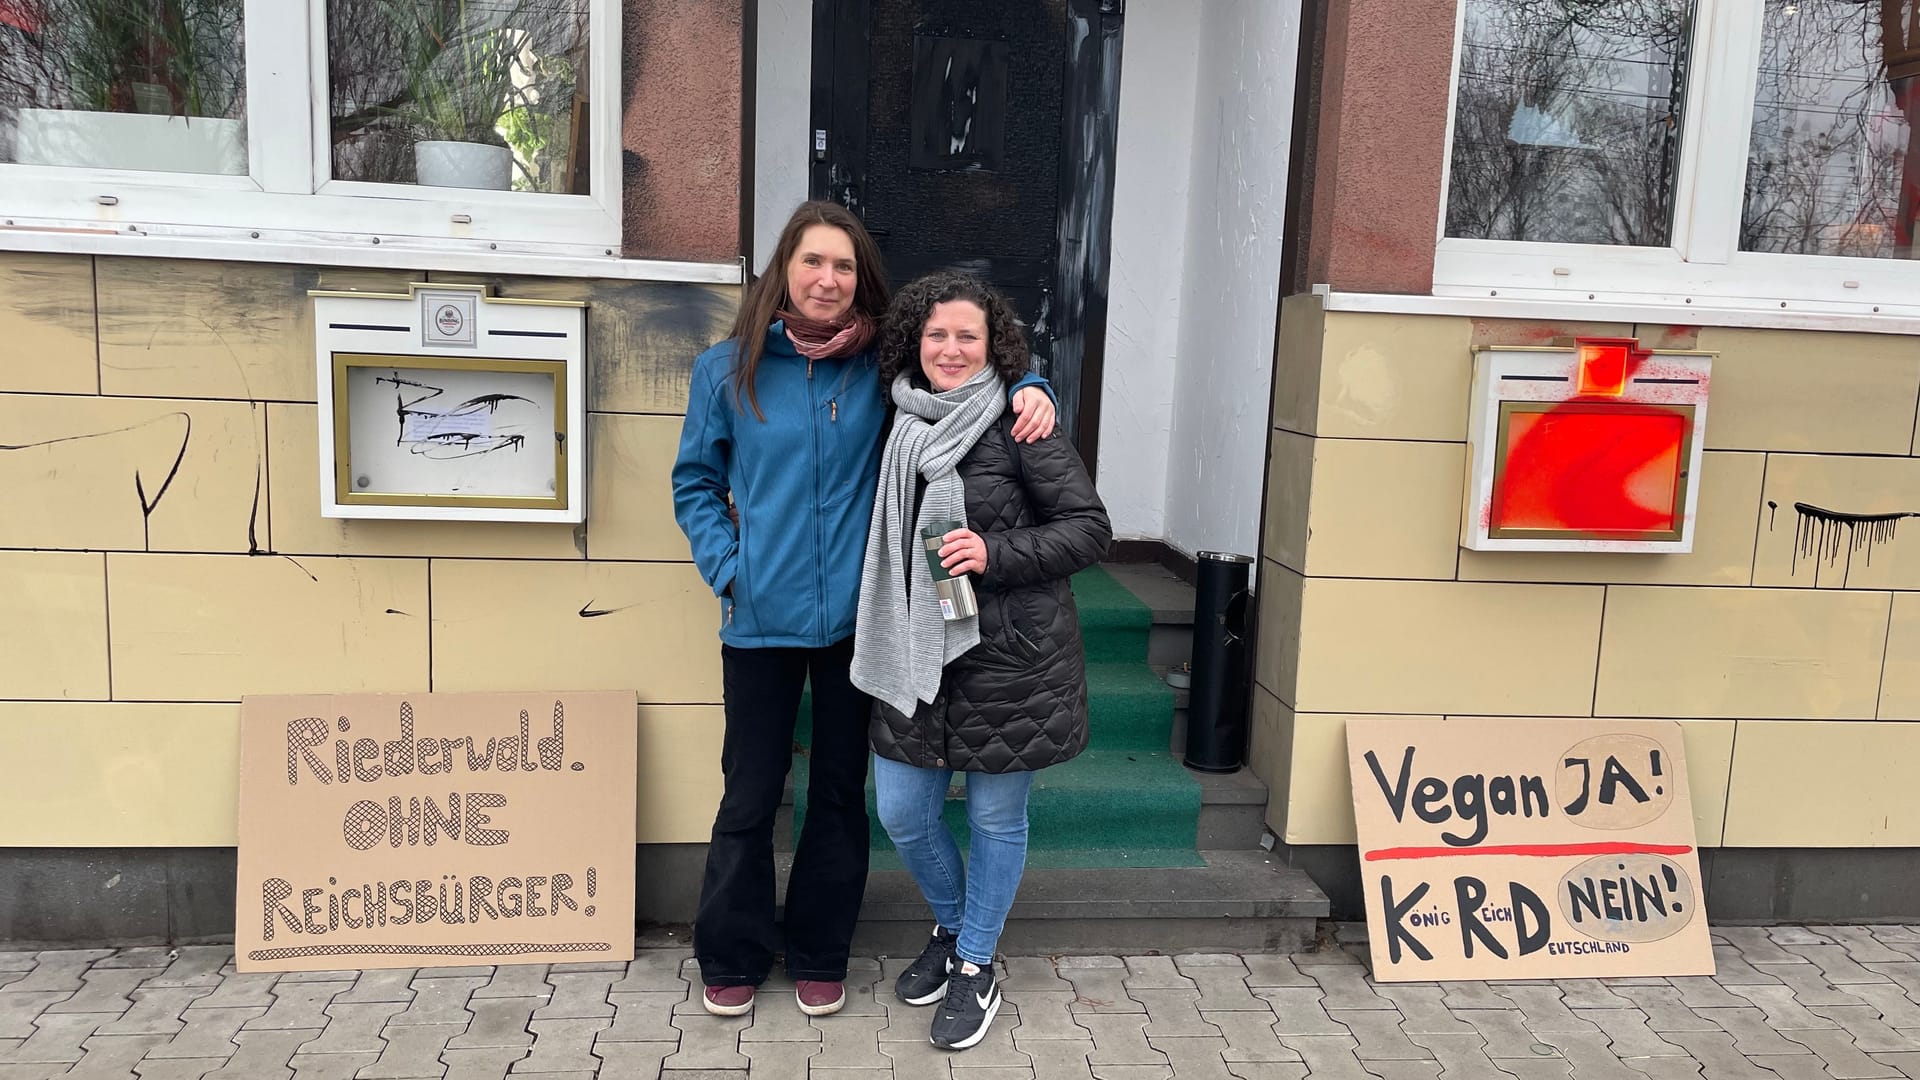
774 487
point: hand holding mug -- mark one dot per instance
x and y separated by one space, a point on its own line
963 551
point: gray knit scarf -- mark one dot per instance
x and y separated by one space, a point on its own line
900 641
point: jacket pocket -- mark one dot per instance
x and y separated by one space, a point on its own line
842 466
737 614
1027 646
1034 620
1023 639
1007 645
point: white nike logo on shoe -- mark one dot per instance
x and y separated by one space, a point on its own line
984 1002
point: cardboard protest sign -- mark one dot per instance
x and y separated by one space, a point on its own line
391 830
1522 849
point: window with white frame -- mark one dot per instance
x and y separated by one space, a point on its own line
1719 152
483 125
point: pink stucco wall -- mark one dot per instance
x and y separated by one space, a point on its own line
680 129
1386 80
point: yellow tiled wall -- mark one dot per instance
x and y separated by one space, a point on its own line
1795 673
162 551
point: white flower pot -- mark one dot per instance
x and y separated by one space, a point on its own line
139 141
463 165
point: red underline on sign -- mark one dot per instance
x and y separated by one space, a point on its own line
1533 850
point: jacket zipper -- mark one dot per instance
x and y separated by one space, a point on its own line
819 546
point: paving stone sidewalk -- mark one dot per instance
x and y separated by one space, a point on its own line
1789 1003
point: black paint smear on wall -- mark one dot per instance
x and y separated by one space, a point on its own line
588 611
259 470
147 504
1823 535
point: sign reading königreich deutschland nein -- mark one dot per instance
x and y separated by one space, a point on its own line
1520 849
389 830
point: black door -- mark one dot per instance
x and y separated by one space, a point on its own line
978 135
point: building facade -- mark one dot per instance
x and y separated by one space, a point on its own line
163 553
1739 179
1259 245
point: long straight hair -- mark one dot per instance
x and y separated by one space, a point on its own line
768 293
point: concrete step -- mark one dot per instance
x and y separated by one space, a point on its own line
1169 598
1233 809
1239 901
1170 644
1170 638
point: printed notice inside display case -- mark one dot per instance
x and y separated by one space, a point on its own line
450 403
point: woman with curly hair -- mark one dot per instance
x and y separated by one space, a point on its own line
997 695
773 487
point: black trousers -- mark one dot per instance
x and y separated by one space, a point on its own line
734 936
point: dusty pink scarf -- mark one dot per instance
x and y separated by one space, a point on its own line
818 340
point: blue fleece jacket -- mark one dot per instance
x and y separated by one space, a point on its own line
803 482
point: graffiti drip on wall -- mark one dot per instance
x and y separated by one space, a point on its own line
1831 537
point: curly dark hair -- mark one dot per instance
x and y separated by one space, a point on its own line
913 304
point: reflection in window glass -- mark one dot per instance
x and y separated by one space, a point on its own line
1567 120
1834 165
460 93
124 84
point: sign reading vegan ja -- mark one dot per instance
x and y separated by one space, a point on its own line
388 830
1521 849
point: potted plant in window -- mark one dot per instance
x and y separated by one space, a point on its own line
477 74
130 84
459 95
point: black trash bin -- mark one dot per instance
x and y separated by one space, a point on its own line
1217 706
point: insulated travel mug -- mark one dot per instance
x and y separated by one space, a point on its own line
956 593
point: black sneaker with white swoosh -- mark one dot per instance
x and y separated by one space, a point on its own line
925 980
971 1003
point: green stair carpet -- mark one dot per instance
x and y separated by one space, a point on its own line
1125 801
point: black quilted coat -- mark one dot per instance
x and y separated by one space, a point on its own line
1018 700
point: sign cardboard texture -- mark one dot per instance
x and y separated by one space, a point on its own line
1526 849
422 830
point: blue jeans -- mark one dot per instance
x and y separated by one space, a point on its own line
971 900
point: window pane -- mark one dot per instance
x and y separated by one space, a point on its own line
124 84
460 93
1834 165
1567 120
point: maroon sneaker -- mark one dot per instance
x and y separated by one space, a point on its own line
729 1000
819 998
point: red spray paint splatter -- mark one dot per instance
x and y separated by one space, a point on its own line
1593 464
